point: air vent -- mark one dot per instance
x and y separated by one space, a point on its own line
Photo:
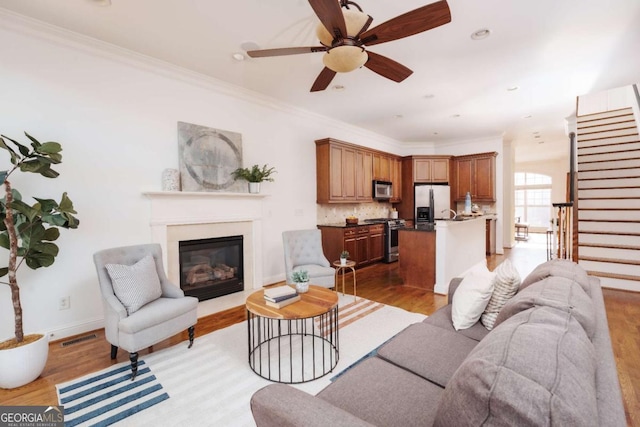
78 340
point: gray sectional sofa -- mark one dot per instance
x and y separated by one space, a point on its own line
547 362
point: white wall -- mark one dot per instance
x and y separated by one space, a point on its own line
116 115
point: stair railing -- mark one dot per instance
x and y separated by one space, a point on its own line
562 241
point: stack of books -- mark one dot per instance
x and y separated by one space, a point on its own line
280 296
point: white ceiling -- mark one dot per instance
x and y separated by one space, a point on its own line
553 50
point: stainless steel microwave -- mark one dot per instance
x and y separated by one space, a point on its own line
382 190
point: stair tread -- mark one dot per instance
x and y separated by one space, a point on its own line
613 275
619 111
627 119
609 260
609 233
607 246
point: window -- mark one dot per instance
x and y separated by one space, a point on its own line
533 198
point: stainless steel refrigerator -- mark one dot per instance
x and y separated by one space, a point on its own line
441 196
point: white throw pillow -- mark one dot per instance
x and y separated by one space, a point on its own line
506 284
471 297
135 285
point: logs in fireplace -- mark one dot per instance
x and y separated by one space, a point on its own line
211 268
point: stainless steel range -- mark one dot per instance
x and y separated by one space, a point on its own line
391 227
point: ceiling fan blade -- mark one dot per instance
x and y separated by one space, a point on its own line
422 19
329 13
285 51
323 80
387 67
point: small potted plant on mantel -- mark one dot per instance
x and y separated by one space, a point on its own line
28 232
301 279
254 175
344 256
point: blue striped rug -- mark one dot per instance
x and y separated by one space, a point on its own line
106 397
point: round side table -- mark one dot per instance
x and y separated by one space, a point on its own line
339 267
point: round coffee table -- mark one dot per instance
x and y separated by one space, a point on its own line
296 343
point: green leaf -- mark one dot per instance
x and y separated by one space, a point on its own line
47 205
25 209
49 148
4 145
31 234
4 271
66 205
34 142
4 240
56 220
49 173
38 260
3 176
34 166
51 234
24 150
47 248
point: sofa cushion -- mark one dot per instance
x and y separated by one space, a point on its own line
505 286
537 368
135 285
557 292
426 350
471 297
561 268
384 394
442 319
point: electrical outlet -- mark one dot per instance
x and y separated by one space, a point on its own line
64 303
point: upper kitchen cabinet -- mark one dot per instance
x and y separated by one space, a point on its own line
381 167
430 169
345 172
475 174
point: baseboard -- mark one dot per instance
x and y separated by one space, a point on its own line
76 329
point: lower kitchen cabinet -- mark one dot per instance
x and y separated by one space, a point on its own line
365 243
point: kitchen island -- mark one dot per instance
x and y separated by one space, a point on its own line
430 257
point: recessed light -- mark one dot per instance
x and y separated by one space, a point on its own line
238 56
246 46
429 96
481 34
513 88
435 133
398 116
338 87
536 133
537 136
540 142
102 2
527 117
455 116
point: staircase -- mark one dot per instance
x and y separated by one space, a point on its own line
609 197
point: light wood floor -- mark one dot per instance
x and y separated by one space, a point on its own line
379 283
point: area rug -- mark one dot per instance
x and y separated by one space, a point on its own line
211 383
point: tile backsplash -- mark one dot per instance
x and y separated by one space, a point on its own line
332 214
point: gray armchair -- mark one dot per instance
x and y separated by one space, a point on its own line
154 321
303 251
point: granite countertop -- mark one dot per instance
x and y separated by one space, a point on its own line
429 228
345 225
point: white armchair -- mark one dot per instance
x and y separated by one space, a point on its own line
303 251
134 324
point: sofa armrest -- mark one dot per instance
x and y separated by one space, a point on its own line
453 286
279 405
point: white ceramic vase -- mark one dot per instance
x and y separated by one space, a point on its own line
343 261
302 287
21 365
254 187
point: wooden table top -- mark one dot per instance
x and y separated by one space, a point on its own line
316 301
348 264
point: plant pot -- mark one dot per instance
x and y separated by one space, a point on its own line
302 287
21 365
254 187
343 261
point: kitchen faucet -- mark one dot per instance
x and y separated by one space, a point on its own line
450 210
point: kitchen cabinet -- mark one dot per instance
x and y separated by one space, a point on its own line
364 175
430 169
396 179
344 172
336 178
365 243
475 174
381 167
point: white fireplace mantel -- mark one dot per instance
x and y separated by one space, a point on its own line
208 215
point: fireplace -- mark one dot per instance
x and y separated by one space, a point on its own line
211 268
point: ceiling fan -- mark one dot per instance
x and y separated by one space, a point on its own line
344 34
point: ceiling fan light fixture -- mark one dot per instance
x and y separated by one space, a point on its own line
354 20
343 59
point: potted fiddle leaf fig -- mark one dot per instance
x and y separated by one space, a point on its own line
254 175
28 231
